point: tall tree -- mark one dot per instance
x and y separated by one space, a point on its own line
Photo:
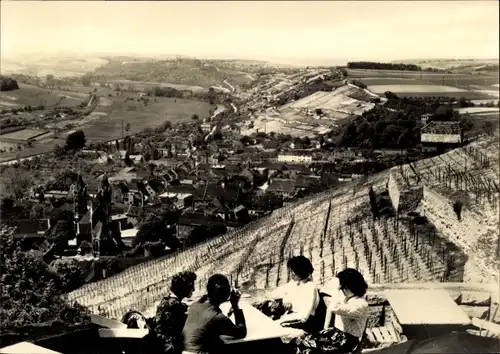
75 140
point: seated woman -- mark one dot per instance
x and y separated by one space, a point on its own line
300 297
206 323
171 314
351 315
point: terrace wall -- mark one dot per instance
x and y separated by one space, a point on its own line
393 189
439 209
404 198
464 233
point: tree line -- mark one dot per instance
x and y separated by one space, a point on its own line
382 66
396 124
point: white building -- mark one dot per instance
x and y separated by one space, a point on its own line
295 157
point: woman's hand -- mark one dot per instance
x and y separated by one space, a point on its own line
290 323
234 299
287 306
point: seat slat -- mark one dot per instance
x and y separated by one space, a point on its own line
379 338
370 336
388 336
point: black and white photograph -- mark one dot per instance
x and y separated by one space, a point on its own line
249 177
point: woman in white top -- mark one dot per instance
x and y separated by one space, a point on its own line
300 296
350 308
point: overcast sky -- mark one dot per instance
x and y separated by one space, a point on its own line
370 30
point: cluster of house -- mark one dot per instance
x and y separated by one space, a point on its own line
207 191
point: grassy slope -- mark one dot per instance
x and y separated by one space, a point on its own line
141 117
190 72
35 96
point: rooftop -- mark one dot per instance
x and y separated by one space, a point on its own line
442 127
175 195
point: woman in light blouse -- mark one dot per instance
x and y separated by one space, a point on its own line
350 308
300 296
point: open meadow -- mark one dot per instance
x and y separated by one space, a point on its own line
24 135
150 85
29 95
140 116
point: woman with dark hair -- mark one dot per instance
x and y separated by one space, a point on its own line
351 315
171 314
206 323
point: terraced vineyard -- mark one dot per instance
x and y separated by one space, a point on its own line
255 257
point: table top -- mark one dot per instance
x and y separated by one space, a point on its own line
259 326
122 333
430 307
106 322
26 348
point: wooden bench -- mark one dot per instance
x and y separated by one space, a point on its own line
485 328
386 335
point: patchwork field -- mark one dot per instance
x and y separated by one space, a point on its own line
371 81
428 90
23 135
105 122
345 99
297 118
141 117
402 88
478 110
476 85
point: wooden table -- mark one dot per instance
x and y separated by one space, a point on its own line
263 334
426 313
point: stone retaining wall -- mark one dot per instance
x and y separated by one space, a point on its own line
404 198
468 234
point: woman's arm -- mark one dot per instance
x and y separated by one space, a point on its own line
353 309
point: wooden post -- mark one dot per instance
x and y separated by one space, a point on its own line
322 272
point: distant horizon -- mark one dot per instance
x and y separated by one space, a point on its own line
293 31
318 61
